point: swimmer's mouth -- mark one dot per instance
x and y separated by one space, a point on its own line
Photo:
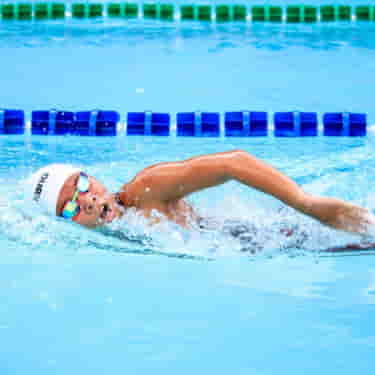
105 210
107 213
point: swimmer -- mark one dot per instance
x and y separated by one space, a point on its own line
68 192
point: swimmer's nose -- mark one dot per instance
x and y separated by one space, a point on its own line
90 203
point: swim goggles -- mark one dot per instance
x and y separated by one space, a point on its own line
71 207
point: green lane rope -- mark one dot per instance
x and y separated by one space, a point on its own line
202 12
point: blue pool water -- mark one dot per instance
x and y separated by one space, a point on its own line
162 300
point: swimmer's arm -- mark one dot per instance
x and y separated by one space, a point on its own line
173 181
332 212
176 180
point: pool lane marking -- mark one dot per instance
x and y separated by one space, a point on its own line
177 15
122 126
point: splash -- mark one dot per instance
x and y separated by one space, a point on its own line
238 225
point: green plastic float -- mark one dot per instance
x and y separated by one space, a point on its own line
188 12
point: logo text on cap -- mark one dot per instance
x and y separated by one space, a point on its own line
39 187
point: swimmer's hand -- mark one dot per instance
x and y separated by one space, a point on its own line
340 215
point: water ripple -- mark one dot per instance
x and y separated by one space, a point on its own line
262 36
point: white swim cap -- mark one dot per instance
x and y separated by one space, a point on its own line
43 187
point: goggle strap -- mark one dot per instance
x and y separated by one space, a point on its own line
75 196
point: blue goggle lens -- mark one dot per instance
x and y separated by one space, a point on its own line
71 208
83 183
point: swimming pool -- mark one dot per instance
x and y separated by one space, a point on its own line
77 301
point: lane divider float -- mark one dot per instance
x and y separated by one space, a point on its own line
25 11
187 124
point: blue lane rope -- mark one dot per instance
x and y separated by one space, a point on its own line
190 124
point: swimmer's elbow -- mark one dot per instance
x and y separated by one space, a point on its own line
241 156
238 153
235 160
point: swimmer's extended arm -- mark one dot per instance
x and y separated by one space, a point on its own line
173 181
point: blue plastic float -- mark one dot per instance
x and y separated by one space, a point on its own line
12 121
345 124
188 124
246 124
198 124
296 124
148 123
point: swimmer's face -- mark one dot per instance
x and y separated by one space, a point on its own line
97 206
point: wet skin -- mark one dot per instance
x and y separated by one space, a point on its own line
97 206
163 187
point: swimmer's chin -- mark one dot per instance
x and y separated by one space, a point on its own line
109 218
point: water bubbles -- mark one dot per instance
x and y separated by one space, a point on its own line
240 227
